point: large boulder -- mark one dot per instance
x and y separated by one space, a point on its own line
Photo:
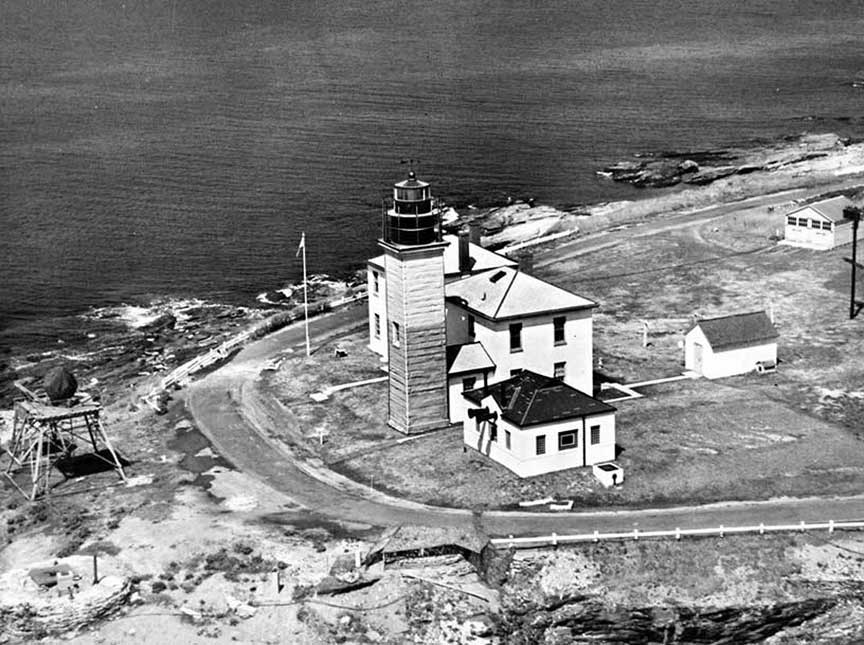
59 384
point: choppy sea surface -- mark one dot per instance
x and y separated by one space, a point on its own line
177 148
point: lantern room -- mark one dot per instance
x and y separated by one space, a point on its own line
413 218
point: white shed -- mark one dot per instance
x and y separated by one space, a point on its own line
819 225
533 424
731 345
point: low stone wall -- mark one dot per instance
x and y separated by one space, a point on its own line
28 611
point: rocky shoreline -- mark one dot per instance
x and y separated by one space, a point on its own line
702 167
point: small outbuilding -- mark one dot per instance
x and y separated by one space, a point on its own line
534 424
738 344
819 225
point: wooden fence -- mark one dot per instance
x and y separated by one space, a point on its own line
677 533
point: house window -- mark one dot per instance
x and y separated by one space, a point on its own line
377 325
507 439
558 326
791 221
559 371
595 435
516 337
802 221
826 226
515 372
469 383
397 335
493 432
568 439
375 282
540 444
471 323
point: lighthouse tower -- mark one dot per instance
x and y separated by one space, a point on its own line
416 325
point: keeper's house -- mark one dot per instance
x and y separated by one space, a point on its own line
720 347
819 225
533 424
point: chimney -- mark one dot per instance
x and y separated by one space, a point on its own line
526 262
464 253
475 231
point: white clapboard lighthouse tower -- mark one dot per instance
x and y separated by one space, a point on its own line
416 325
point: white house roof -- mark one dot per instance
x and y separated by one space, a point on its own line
830 209
737 330
481 259
509 293
470 357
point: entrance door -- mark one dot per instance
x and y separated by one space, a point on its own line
697 358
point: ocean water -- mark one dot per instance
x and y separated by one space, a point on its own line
177 148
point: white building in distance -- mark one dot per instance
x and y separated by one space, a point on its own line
731 345
820 225
452 319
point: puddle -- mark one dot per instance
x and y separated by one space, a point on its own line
302 520
198 456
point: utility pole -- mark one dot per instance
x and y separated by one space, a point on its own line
853 213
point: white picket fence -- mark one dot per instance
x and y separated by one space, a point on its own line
677 533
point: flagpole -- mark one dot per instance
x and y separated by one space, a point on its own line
305 299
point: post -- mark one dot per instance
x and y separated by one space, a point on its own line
95 571
855 221
854 215
305 297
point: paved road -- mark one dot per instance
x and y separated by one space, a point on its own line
219 404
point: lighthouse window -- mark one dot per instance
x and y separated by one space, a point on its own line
375 282
377 326
397 336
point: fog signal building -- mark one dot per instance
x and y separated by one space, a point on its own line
820 225
453 319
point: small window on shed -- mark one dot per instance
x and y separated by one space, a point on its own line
595 435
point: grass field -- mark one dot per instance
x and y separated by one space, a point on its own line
795 432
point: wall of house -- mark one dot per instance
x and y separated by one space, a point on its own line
377 304
843 234
809 236
539 352
729 362
522 458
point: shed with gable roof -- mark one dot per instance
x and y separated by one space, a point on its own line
730 345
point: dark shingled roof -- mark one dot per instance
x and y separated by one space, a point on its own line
529 398
740 329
